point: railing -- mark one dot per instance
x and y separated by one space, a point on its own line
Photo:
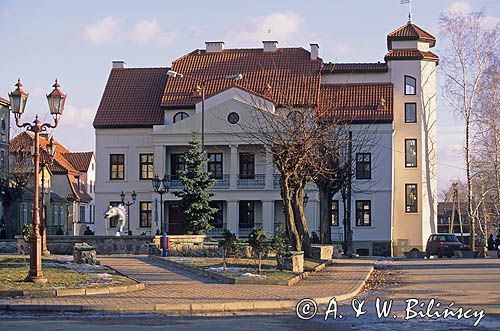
245 232
279 227
256 181
222 183
276 181
217 232
175 183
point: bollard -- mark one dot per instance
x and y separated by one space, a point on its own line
164 244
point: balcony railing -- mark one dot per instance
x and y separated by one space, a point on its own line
276 181
279 227
222 183
175 183
217 232
255 181
245 232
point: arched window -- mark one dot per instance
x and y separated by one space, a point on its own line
410 85
180 116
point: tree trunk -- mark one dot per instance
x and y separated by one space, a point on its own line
300 219
471 215
293 233
325 214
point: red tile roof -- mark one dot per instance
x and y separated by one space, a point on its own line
294 78
65 162
80 160
132 98
354 67
410 54
357 102
4 102
410 31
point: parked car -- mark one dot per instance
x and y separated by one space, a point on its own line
443 245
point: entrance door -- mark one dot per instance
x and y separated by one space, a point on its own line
175 220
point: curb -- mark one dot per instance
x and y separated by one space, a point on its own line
193 309
72 291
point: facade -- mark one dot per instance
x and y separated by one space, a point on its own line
69 185
144 123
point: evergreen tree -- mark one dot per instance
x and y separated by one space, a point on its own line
195 196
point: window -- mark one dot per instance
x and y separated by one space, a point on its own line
82 214
113 221
411 112
90 187
247 165
247 214
116 166
410 85
410 153
363 165
363 213
218 220
78 183
215 165
176 164
335 213
146 214
180 116
411 198
25 213
146 166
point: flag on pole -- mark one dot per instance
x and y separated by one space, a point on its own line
404 2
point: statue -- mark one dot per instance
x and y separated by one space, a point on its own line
117 211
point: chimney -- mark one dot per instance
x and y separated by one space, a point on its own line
270 45
314 51
118 64
214 46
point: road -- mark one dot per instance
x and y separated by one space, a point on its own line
468 283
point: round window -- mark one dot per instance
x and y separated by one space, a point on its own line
233 118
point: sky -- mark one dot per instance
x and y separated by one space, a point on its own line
76 41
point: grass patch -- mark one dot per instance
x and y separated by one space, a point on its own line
13 271
237 268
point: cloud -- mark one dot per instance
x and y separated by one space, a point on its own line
280 26
105 31
342 49
75 130
115 30
459 7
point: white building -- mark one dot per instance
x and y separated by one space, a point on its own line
144 123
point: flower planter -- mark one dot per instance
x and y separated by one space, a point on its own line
294 261
322 252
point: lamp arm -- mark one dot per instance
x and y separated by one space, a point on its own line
46 126
23 125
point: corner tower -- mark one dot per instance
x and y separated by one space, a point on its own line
412 67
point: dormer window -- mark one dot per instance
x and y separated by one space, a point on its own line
180 116
410 85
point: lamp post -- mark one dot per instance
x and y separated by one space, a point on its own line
56 100
128 204
201 88
161 186
51 151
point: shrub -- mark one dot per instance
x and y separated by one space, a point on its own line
279 244
229 247
258 241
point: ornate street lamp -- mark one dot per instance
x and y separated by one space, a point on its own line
56 100
201 88
161 186
128 204
44 163
306 199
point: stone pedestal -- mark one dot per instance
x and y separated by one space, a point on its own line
294 261
83 253
322 252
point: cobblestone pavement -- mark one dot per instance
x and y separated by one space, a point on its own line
167 284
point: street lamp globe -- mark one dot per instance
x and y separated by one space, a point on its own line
122 196
166 182
18 99
134 196
56 100
156 183
51 148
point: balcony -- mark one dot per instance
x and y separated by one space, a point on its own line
255 181
217 232
222 183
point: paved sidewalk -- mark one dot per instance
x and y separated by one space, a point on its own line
169 289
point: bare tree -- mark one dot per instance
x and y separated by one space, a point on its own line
464 64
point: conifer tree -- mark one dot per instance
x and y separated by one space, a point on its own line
195 196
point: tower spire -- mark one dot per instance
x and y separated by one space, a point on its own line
404 2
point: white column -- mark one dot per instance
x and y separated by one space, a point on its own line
269 169
233 176
232 216
160 168
268 217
